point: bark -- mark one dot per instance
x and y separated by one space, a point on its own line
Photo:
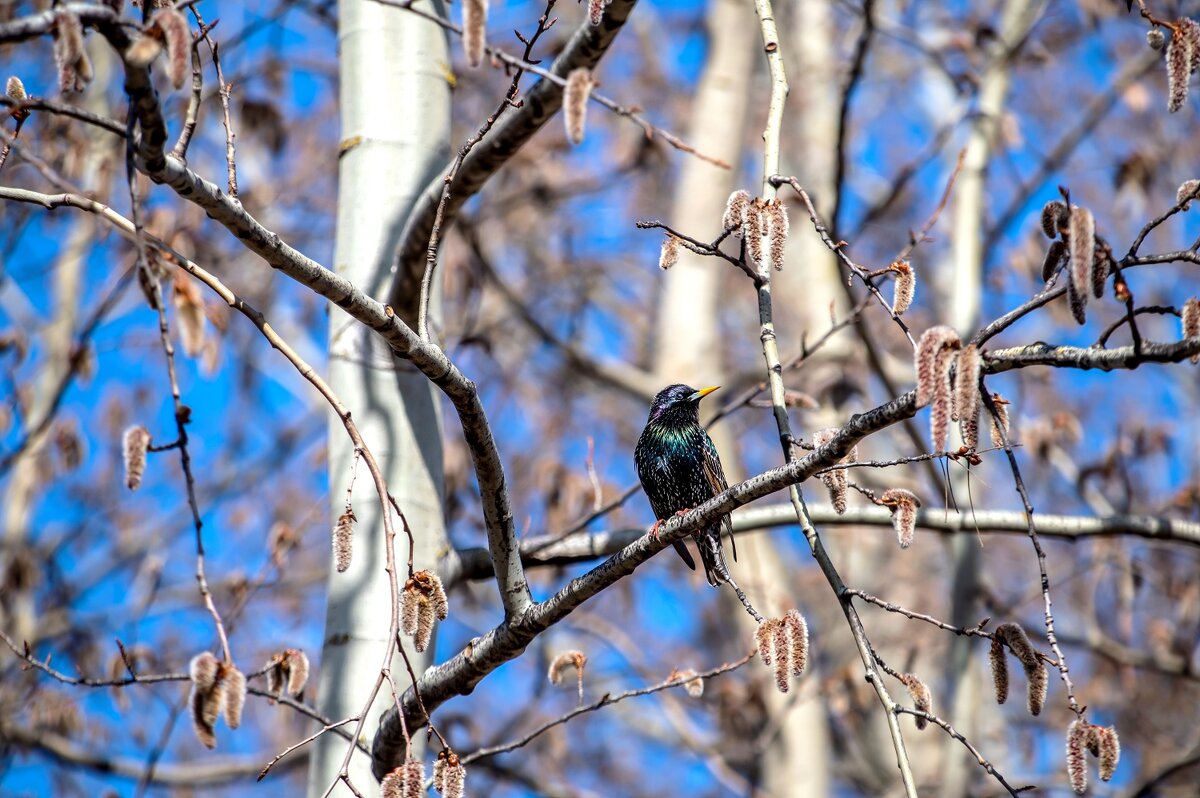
395 134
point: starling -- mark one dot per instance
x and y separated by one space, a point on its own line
680 469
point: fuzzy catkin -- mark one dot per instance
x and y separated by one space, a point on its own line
763 636
1039 682
299 675
904 286
1054 257
1188 190
1110 751
835 479
669 255
922 700
1189 317
475 13
1054 215
999 663
797 631
235 696
903 505
136 444
595 10
781 652
343 540
1077 734
1083 253
967 401
189 311
178 39
575 100
15 89
74 68
734 218
1180 55
1000 421
777 232
930 360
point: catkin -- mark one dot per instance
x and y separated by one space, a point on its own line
734 217
1180 54
1083 253
904 287
903 505
475 14
136 444
343 540
669 255
1189 318
1077 734
575 100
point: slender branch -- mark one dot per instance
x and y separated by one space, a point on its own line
607 699
326 728
1063 670
63 109
223 90
843 136
983 762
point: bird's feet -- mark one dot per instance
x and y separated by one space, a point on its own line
658 525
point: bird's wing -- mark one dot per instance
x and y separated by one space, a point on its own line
715 476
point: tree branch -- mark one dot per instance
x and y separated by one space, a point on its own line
547 550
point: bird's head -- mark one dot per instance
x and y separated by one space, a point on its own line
679 400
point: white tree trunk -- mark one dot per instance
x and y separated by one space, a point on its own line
964 678
689 350
395 133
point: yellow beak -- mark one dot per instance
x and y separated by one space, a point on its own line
703 392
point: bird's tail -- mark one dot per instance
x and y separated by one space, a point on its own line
713 556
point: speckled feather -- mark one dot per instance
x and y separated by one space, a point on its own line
680 469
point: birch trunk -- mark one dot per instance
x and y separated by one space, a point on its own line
966 684
395 134
689 348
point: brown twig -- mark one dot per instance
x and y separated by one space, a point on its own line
607 699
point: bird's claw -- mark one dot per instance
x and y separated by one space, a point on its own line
658 525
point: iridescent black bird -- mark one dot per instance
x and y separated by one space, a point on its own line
680 469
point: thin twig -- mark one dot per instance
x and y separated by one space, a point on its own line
510 99
607 699
1063 670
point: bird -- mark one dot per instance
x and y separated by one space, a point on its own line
680 469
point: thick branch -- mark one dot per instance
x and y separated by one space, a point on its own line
540 103
1124 357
